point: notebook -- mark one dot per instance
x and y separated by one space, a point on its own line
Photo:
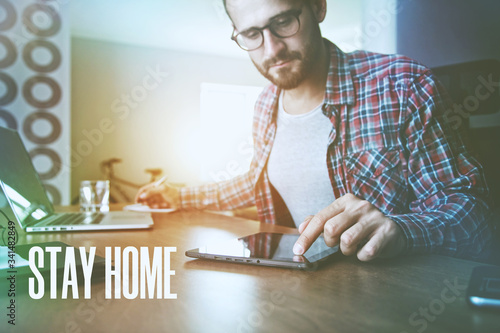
32 208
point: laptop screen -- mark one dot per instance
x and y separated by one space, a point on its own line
20 182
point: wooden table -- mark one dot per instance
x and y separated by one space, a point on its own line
410 294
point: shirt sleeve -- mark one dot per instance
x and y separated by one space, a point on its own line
227 195
449 213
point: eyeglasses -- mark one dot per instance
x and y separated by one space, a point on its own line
282 26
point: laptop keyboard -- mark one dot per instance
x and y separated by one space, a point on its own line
72 219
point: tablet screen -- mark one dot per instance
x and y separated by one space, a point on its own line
274 246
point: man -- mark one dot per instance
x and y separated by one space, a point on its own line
353 144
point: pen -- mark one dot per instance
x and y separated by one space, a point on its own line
160 181
155 184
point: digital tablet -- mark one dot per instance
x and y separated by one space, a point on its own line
484 287
268 249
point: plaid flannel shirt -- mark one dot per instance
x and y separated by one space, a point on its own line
389 145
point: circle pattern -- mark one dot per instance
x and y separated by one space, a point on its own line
9 119
30 98
53 156
42 21
11 93
54 193
36 30
31 63
10 15
11 54
54 122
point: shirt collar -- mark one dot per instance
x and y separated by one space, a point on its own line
339 85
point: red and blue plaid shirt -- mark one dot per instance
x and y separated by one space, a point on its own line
389 145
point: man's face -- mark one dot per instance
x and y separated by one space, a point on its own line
286 62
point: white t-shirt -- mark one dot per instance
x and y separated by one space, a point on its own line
297 164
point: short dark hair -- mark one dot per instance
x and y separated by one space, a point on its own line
225 7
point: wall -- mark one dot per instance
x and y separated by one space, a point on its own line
378 31
142 105
443 32
446 32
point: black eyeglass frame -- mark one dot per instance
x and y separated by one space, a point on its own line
294 13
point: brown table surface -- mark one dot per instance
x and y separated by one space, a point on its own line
408 294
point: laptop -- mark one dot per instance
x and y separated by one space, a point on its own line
32 208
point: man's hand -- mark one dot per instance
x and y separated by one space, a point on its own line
357 226
158 196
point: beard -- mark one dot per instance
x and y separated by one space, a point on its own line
288 78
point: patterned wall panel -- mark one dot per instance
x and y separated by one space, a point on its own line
34 85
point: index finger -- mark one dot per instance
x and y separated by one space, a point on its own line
315 226
138 196
141 194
